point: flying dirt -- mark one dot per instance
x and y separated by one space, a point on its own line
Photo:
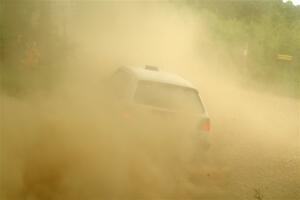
65 142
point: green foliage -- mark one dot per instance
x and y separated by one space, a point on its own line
262 28
30 48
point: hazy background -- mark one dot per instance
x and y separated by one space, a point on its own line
55 130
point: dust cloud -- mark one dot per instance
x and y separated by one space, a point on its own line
66 144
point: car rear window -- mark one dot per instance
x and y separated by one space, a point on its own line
168 96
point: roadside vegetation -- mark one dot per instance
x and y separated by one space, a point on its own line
32 47
258 40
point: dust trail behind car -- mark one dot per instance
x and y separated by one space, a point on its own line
63 144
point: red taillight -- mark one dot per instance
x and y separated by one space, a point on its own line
126 115
206 126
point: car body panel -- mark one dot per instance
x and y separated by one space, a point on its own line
184 127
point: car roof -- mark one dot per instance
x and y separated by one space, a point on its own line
141 73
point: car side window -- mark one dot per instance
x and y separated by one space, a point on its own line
120 84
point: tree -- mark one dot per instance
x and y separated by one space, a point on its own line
30 47
267 28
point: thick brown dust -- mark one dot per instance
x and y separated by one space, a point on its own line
66 144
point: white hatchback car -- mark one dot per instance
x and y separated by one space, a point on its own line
146 91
